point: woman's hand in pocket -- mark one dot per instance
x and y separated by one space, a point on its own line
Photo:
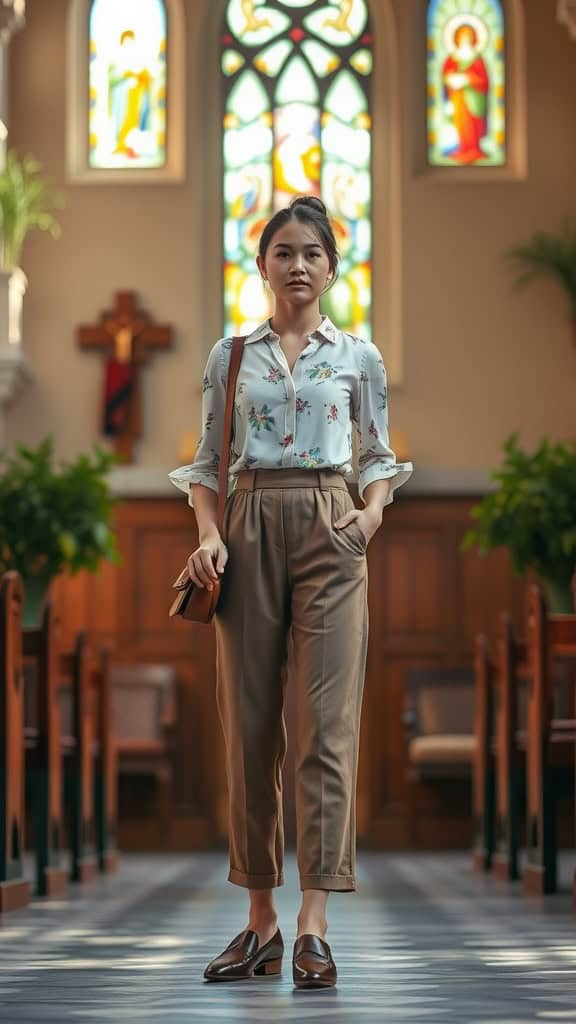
208 560
368 520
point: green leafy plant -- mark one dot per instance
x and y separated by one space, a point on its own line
25 205
55 518
533 511
551 256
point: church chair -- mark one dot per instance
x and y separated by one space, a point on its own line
14 887
439 719
144 713
439 747
550 639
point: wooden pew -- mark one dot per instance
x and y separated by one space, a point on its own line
549 638
106 766
14 888
79 786
483 779
510 745
57 732
42 665
500 766
71 756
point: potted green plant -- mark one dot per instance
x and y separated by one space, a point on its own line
533 514
26 203
549 256
54 518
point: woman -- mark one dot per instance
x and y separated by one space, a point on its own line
293 556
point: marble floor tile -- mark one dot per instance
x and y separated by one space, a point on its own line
424 938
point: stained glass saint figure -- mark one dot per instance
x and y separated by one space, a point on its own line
127 83
466 82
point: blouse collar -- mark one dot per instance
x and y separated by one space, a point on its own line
326 330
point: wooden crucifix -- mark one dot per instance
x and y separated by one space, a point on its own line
127 337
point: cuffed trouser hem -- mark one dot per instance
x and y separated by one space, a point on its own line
255 881
335 883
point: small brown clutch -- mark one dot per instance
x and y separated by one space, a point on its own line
198 604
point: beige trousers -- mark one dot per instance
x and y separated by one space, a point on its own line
292 576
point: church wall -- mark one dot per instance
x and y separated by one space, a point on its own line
479 359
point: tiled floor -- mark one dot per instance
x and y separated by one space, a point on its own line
423 939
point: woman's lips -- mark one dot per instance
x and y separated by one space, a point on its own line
297 284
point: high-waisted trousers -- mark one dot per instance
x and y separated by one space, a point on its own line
292 579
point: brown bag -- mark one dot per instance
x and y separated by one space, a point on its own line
198 604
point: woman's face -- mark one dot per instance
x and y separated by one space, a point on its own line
296 263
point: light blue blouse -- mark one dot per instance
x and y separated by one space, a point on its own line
301 419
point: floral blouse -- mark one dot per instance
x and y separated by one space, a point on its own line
301 419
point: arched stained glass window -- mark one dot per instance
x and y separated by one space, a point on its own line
127 83
296 97
466 83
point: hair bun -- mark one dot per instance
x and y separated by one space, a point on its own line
312 201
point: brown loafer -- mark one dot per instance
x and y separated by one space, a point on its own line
312 963
243 958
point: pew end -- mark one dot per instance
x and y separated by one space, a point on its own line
550 642
14 887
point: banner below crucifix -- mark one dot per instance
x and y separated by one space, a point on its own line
127 337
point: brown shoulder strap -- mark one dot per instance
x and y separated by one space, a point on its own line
235 360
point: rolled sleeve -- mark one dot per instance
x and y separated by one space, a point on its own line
376 459
204 469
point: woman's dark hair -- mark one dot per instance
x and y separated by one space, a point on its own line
309 210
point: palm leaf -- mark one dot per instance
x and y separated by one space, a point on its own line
26 204
548 256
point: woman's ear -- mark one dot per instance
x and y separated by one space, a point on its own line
260 266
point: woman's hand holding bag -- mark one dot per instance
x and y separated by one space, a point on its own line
195 601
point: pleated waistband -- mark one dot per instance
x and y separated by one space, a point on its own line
253 479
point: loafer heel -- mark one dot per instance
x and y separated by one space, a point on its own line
269 967
244 958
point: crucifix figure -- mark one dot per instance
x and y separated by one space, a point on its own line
127 337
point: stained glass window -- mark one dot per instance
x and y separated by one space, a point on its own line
296 115
466 83
127 83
